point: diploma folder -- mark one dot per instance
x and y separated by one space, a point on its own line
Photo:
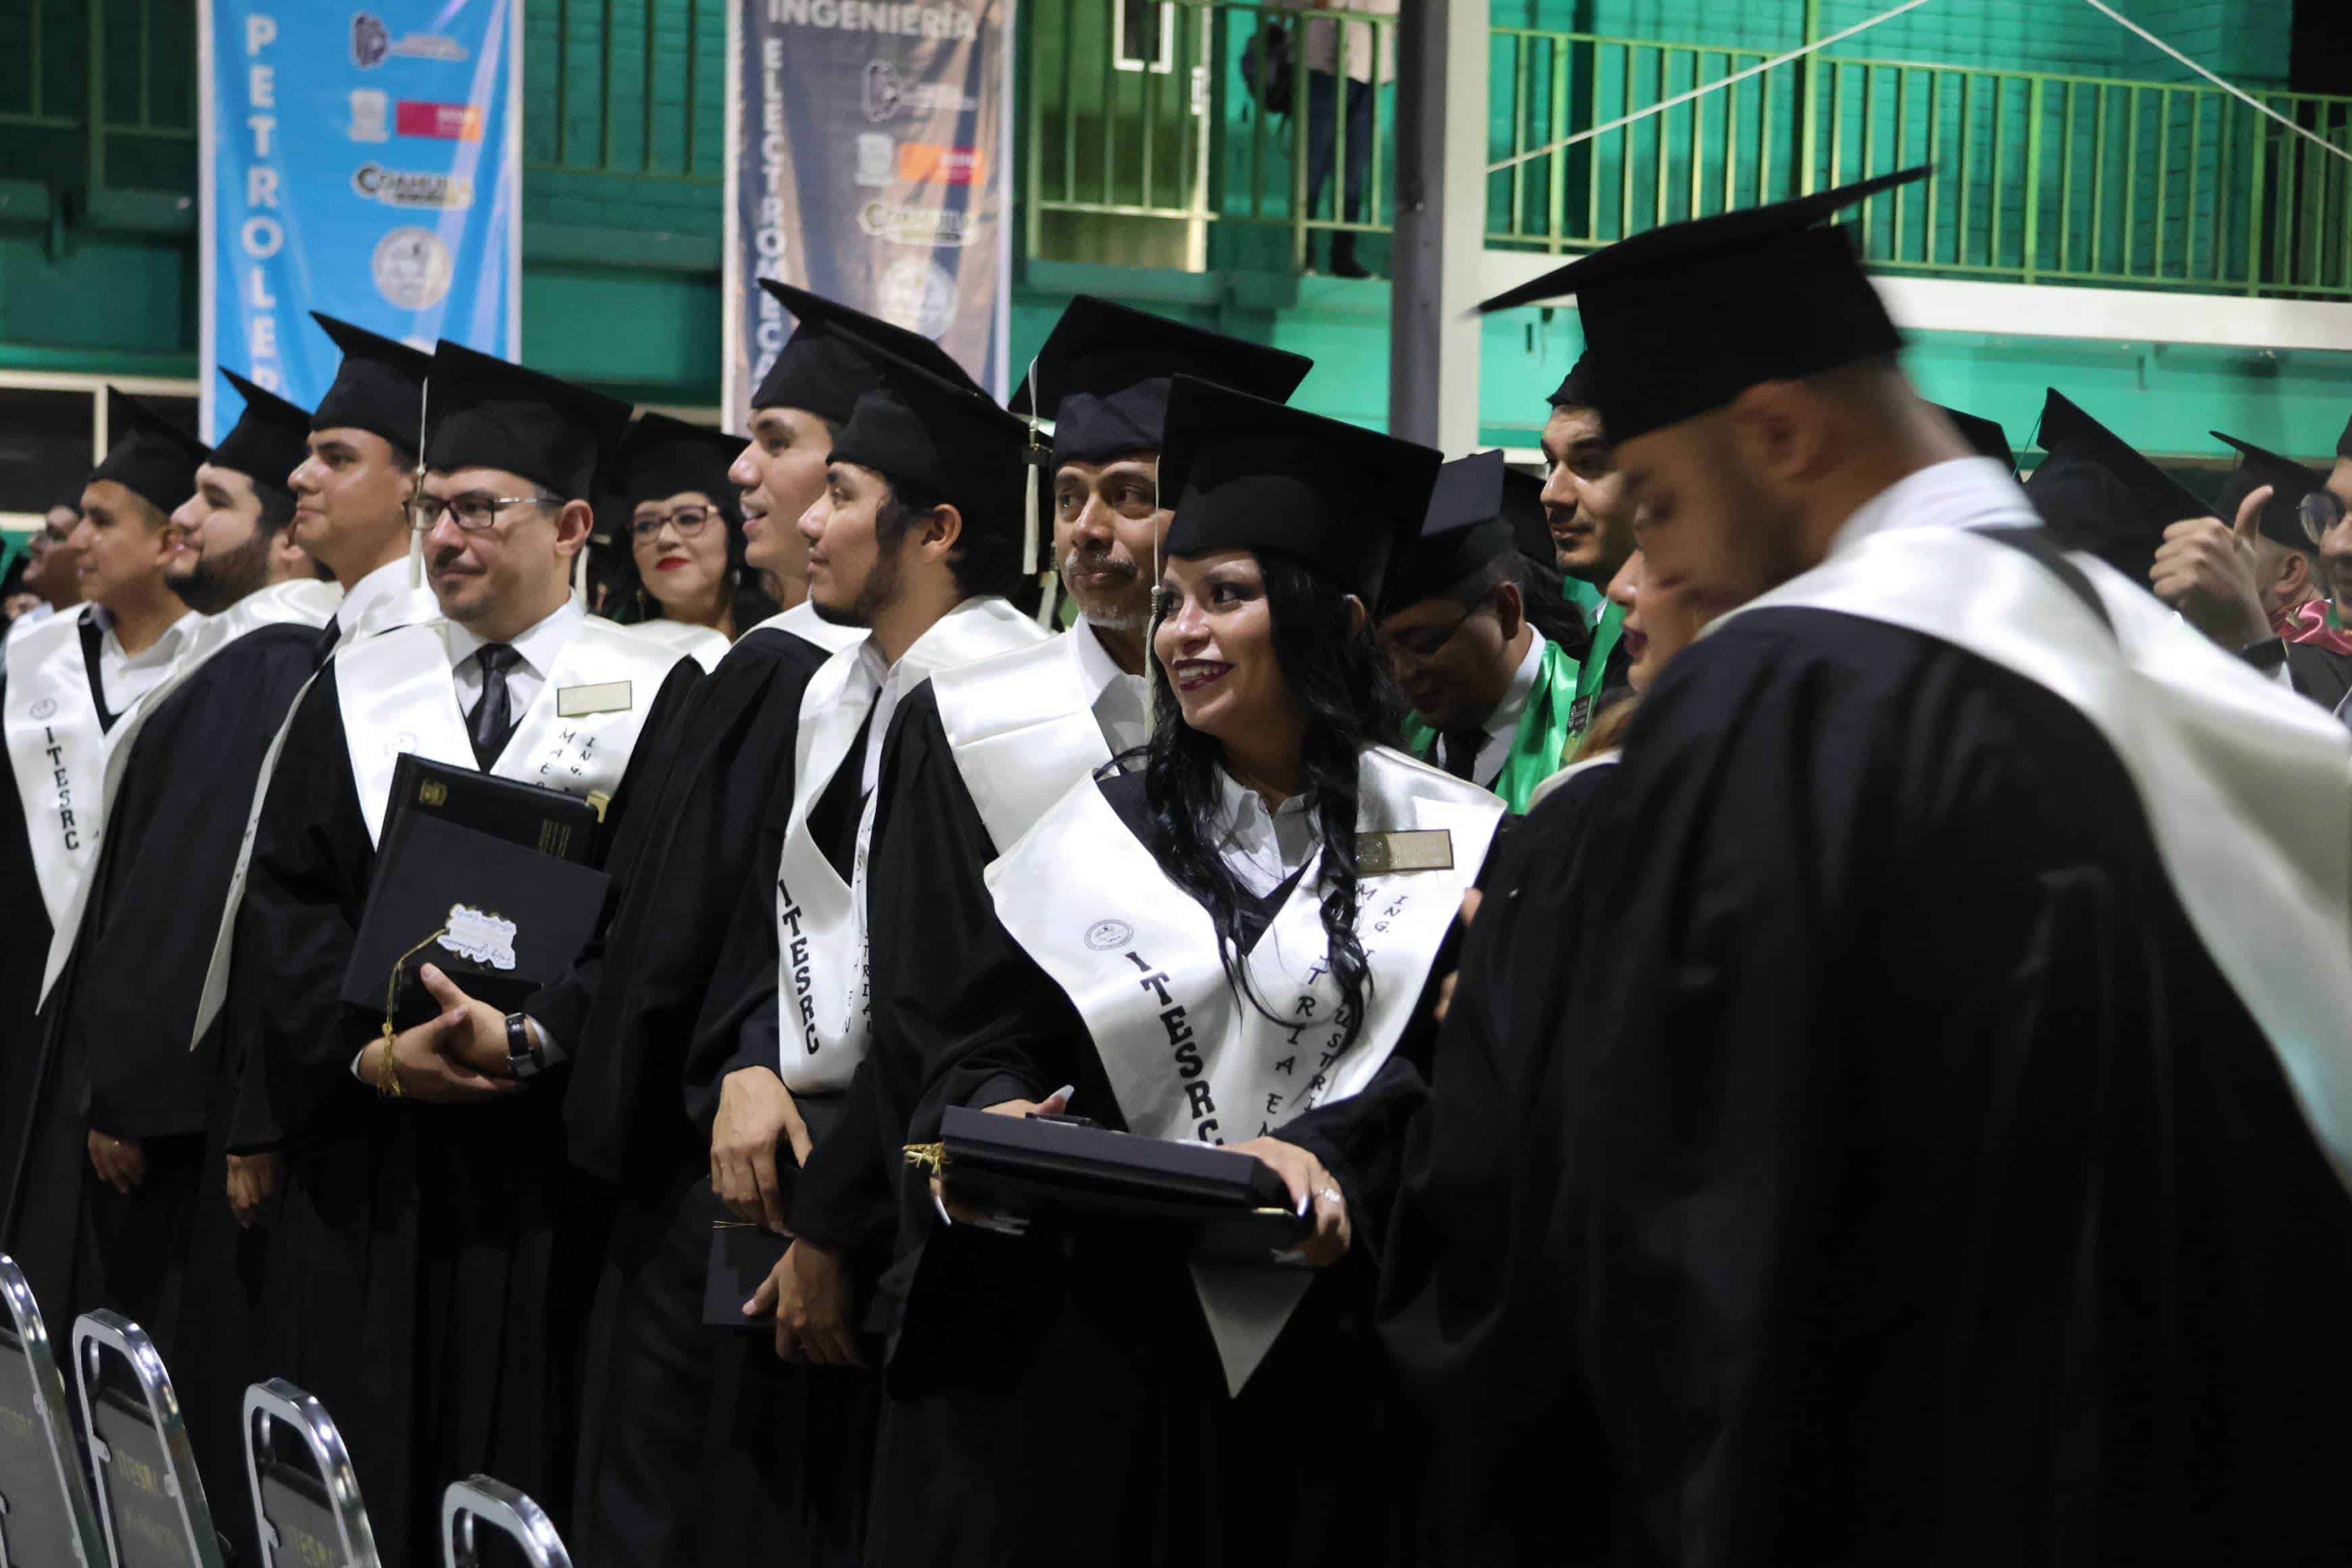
483 877
1217 1204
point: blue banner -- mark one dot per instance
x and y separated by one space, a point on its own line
363 161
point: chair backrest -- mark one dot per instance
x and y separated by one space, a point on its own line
306 1496
471 1504
46 1512
149 1495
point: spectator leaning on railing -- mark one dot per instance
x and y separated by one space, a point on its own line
1327 67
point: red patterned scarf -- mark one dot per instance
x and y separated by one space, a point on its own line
2315 621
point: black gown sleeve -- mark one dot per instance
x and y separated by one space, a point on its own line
306 890
170 846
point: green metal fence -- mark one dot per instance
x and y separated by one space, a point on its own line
2040 177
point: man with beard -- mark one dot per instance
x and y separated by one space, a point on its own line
1940 1155
1584 506
686 1467
974 756
101 1218
426 1273
916 538
2279 566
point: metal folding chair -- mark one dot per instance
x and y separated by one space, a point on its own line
46 1512
471 1504
306 1496
149 1495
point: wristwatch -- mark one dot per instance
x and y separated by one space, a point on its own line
525 1056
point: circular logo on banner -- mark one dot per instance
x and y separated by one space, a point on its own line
413 268
1110 936
45 707
918 295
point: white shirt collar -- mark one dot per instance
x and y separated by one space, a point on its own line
1121 703
1262 848
162 650
539 644
370 594
1504 721
1960 492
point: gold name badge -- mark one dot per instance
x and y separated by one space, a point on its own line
1425 849
578 701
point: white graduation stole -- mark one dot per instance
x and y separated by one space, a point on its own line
300 602
1188 1058
398 695
706 646
2247 786
57 753
1023 731
802 621
822 988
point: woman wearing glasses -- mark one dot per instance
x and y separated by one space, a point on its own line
692 590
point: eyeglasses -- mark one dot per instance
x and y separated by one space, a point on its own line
689 522
2319 510
1423 643
476 511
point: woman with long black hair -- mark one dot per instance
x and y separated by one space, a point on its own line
688 585
1233 944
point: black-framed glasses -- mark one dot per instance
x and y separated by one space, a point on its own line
2318 511
475 511
689 522
1421 644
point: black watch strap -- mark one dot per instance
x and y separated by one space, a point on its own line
523 1053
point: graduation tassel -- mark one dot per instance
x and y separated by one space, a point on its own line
1035 456
1049 595
416 488
580 575
1151 623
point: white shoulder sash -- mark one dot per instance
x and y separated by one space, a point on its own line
1021 731
1188 1058
821 987
802 621
702 644
398 695
2247 787
57 753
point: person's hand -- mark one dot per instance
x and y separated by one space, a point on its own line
755 1110
2206 570
1312 1190
1054 1104
1470 901
808 1294
420 1062
252 1179
121 1163
480 1042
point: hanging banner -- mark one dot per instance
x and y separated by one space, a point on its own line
366 163
868 144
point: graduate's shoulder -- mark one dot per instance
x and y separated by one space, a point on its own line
261 672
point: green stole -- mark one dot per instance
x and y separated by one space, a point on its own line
1560 709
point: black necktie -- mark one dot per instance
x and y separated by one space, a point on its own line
492 719
334 634
1460 749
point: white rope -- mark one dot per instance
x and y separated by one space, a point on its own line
2241 94
1682 98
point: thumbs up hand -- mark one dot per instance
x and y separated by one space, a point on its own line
2205 569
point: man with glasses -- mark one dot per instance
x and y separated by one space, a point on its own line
2275 556
1494 700
52 568
436 1307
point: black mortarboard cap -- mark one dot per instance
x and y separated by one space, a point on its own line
2290 482
1251 474
661 456
489 414
825 366
1985 434
1682 318
2099 495
269 441
1523 509
1460 534
941 439
1576 388
1103 373
379 387
154 458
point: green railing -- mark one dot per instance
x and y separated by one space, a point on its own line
2039 177
1143 112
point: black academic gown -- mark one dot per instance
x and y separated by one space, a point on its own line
22 958
690 1452
1901 1180
2320 674
434 1264
168 1255
1451 1264
1084 1360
